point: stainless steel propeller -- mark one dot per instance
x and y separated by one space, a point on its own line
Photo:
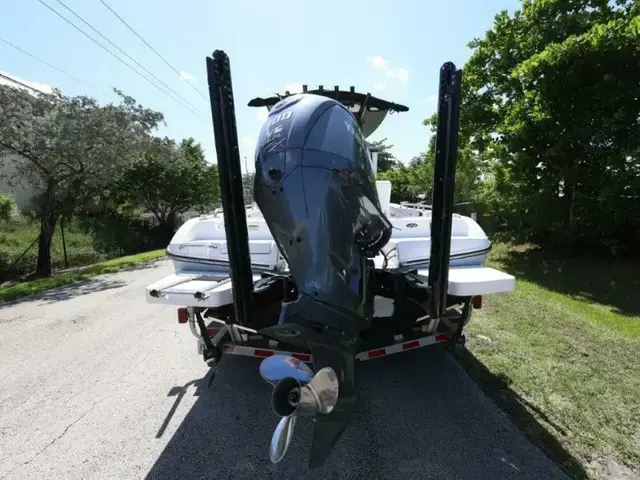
282 438
297 393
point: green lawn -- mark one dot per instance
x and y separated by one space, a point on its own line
19 290
561 354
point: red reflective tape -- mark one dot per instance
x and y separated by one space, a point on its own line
410 345
303 357
213 331
380 352
262 353
183 315
442 337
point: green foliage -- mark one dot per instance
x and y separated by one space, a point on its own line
551 111
117 233
168 180
68 148
18 252
6 208
99 163
468 167
386 160
247 187
403 183
414 182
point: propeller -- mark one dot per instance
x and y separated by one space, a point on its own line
297 393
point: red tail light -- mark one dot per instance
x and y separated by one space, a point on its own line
477 302
183 315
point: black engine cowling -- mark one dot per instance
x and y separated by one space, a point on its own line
316 189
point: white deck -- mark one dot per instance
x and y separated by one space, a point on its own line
179 289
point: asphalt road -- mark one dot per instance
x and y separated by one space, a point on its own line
96 383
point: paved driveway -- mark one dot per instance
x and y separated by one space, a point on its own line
96 383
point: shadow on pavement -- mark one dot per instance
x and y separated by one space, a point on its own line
421 416
100 282
66 292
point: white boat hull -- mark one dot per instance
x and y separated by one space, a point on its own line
200 244
200 257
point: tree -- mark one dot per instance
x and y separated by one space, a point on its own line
68 148
386 160
415 181
169 180
551 102
247 187
468 167
405 182
6 208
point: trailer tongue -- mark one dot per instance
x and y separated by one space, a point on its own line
334 296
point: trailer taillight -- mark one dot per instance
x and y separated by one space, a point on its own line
477 302
183 315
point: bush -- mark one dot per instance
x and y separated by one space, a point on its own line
5 267
117 234
19 249
6 208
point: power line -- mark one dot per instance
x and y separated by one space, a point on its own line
49 65
113 54
152 49
126 54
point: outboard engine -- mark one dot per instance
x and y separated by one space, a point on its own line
315 187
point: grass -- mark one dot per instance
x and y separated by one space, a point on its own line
563 357
19 290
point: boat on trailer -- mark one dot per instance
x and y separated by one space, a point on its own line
234 280
200 244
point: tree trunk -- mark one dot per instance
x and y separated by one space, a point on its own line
169 226
43 264
47 229
64 244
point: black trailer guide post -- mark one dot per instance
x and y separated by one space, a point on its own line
443 186
230 177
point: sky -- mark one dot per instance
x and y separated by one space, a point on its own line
392 49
